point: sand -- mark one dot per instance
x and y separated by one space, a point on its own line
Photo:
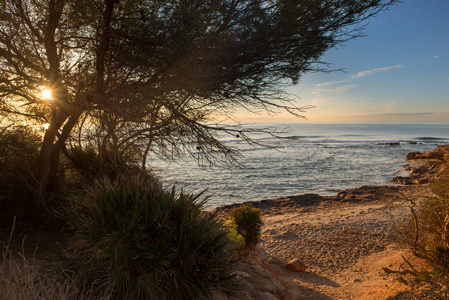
344 244
345 240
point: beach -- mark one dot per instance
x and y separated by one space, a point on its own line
344 240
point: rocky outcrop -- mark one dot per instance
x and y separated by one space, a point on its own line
431 164
441 153
252 282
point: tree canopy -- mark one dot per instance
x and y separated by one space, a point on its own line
132 78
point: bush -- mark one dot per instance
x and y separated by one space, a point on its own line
135 240
249 224
84 164
19 152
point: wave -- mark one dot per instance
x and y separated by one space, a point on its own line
299 137
430 138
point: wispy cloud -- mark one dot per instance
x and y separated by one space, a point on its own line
339 89
433 58
344 88
319 101
369 72
330 83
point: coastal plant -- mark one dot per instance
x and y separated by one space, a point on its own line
237 239
19 151
135 240
87 164
248 221
426 232
22 279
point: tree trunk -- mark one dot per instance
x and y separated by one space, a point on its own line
49 154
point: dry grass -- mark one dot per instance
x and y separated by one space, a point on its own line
23 279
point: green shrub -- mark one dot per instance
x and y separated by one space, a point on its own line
135 240
249 224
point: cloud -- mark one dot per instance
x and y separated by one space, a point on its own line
436 57
339 89
344 88
319 101
369 72
330 83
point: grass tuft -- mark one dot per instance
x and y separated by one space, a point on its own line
135 240
249 223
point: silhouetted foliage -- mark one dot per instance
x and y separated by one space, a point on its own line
151 77
19 151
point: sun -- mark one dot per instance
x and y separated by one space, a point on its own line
46 94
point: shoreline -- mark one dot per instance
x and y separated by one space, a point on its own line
422 168
344 240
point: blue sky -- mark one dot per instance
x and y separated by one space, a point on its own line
398 73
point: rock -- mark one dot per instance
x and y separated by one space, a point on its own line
438 153
251 282
251 257
403 180
441 150
393 144
241 274
296 265
219 295
267 296
274 260
419 171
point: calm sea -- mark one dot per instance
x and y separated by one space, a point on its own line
317 158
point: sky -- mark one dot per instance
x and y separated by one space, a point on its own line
399 72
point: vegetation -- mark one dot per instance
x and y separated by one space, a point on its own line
426 233
248 223
134 240
140 78
131 80
22 280
18 160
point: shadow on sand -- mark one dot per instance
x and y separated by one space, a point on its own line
309 277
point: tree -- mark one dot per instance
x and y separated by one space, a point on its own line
151 76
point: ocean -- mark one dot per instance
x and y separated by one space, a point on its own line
321 158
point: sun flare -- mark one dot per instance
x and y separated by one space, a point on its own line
46 94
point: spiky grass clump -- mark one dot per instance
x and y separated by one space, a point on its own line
137 241
249 224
